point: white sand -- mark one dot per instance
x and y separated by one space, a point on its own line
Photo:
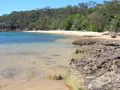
76 33
103 35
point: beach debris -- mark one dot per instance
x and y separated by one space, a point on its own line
55 76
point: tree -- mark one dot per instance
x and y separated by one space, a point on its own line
113 28
67 23
98 20
84 16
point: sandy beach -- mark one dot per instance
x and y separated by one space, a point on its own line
75 33
103 35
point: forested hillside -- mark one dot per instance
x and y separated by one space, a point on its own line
84 16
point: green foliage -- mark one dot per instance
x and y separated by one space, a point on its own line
66 24
73 28
54 25
98 20
118 23
77 21
92 27
84 16
114 25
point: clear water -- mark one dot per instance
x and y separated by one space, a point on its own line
28 57
23 37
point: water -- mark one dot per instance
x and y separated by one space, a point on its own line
26 58
23 37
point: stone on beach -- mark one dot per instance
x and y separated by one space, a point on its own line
100 63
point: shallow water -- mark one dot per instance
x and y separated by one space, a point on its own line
28 57
24 37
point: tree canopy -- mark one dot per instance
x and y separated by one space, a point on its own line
84 16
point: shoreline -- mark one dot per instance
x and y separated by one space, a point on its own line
40 63
77 34
74 33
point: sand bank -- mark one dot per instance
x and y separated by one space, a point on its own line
77 33
103 35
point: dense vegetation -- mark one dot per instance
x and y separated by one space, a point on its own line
84 16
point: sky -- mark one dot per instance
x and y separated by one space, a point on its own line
7 6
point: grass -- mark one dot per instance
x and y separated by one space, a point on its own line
73 83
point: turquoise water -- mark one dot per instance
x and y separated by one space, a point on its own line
24 37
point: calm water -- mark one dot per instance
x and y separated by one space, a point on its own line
23 37
26 58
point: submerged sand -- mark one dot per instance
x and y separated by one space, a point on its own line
26 66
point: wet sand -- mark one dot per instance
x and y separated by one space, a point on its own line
26 66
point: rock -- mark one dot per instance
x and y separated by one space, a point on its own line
113 35
55 77
77 51
101 62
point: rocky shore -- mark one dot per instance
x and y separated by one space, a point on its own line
97 62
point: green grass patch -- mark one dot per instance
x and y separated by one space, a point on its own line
74 83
